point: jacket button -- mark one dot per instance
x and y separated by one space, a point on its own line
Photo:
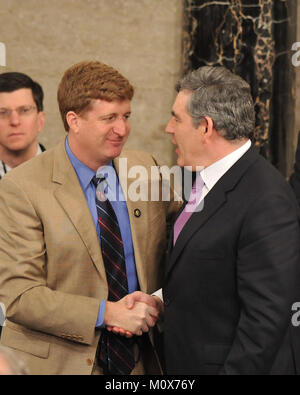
137 213
167 302
89 362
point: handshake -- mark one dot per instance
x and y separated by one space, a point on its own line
134 314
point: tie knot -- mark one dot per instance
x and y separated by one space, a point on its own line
96 180
101 187
198 183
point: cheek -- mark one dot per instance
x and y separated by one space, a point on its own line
127 126
31 126
180 137
127 132
3 129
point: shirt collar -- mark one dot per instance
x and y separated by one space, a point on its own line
8 168
84 173
214 172
39 150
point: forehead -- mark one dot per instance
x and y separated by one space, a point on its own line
102 107
16 98
180 104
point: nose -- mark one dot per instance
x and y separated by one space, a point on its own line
121 127
169 128
14 118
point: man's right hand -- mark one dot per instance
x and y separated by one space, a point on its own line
133 317
131 301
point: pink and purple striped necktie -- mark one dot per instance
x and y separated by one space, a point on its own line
190 207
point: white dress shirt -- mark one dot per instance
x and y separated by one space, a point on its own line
213 173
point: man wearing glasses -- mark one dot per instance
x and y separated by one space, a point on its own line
21 120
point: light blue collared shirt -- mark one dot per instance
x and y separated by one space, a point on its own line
118 202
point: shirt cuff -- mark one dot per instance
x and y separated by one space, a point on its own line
100 319
159 294
159 324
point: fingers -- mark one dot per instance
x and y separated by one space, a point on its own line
150 321
159 304
139 296
136 320
119 331
130 301
153 312
147 316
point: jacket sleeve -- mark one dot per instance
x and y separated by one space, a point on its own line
267 278
24 291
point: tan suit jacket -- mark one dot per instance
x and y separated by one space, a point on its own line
52 275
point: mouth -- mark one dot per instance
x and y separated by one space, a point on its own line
176 147
115 142
15 135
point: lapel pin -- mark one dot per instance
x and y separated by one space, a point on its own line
137 213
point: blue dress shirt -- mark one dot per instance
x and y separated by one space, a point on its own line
118 202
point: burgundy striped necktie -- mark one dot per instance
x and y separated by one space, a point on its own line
116 354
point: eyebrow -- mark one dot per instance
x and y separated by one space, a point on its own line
113 114
175 115
23 105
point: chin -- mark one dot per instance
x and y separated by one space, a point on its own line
17 147
180 162
114 153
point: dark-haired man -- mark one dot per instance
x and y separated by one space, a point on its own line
21 119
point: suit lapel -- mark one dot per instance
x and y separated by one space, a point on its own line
213 202
71 197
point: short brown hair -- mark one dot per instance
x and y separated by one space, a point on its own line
87 81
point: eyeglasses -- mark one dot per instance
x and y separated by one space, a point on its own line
23 111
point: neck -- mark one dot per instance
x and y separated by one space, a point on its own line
225 148
15 158
85 158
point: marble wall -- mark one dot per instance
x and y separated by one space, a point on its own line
296 91
253 38
141 38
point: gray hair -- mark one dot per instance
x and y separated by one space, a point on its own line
10 364
224 97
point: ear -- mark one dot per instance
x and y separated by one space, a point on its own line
208 126
41 121
72 120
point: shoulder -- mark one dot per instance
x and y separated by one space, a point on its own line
260 172
138 158
34 170
264 186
